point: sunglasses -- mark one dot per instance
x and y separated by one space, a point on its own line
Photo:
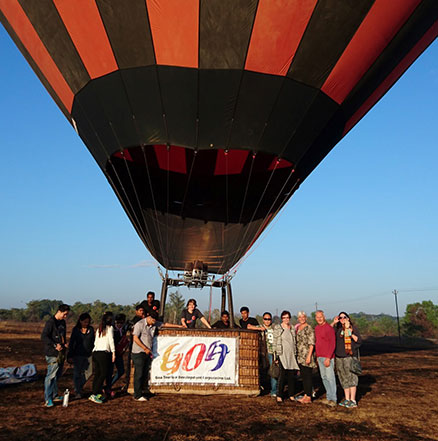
267 318
342 317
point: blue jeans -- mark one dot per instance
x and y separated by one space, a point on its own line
54 371
328 378
273 380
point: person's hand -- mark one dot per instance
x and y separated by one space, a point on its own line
336 319
308 359
58 347
114 357
327 362
347 323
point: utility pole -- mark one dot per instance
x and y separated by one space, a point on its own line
395 292
316 306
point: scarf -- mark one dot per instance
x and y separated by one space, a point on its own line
346 333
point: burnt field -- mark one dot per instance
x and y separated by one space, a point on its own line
397 401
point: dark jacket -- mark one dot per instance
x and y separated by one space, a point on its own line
340 344
54 332
81 344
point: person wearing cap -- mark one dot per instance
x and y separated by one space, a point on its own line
139 315
143 334
191 314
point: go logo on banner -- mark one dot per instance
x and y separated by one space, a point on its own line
197 355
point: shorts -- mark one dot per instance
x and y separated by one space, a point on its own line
346 377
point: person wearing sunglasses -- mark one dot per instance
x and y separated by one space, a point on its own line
285 350
268 334
348 341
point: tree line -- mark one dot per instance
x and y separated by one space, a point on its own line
420 319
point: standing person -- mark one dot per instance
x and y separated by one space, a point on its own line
144 333
150 304
285 349
121 342
305 356
55 343
348 341
269 338
191 314
247 322
104 353
224 322
325 342
139 315
143 337
79 352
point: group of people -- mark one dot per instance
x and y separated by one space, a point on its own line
300 348
100 351
289 348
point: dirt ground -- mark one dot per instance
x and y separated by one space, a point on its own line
397 401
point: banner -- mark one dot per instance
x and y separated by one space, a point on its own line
200 360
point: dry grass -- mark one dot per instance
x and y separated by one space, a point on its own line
397 402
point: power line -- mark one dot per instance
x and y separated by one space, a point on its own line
395 292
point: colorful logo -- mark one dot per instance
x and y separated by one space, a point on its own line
194 357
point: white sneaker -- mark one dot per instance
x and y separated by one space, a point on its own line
141 399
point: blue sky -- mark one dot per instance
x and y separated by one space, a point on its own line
364 223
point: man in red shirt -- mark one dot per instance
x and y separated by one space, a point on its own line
325 342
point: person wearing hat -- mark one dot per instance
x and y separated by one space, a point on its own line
144 333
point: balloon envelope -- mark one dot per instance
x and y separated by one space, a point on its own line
206 115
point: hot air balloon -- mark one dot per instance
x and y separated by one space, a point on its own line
207 115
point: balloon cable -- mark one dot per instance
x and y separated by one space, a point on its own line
129 210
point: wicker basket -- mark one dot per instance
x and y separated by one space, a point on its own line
248 365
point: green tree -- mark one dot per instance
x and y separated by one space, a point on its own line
174 308
388 325
361 322
37 310
421 320
215 315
